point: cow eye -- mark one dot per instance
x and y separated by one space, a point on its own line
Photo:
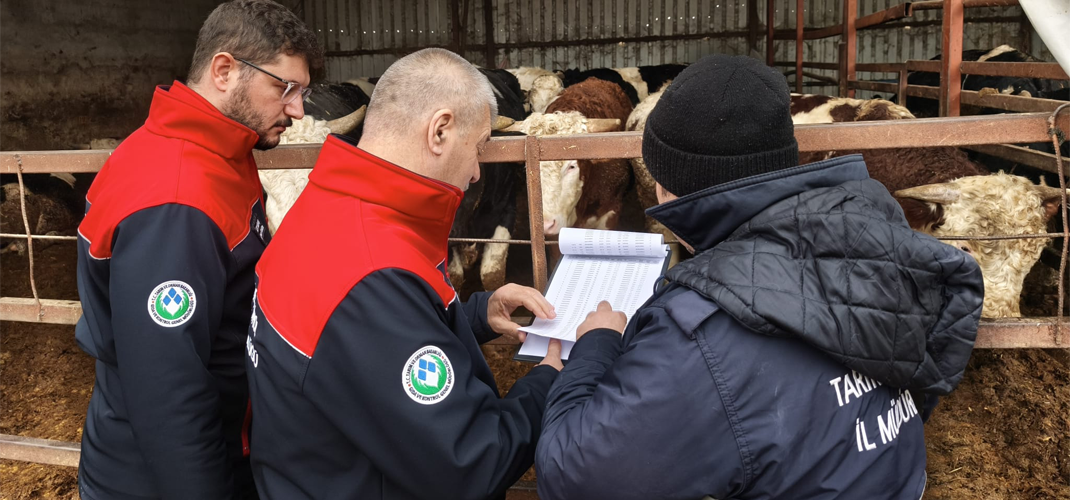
965 248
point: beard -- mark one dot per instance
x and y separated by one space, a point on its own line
240 109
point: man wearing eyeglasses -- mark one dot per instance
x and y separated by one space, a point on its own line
174 225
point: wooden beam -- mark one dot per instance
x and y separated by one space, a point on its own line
951 59
799 4
850 38
1006 102
1051 71
58 312
42 451
928 132
770 14
1017 154
489 44
992 334
753 27
533 155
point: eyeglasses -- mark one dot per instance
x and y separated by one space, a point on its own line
293 89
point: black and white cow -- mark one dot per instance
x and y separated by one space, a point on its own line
1009 85
636 81
488 210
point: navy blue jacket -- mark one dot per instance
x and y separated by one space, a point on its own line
365 371
173 227
777 362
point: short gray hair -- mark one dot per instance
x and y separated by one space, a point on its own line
423 82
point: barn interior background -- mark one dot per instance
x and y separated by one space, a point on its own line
76 70
363 38
73 70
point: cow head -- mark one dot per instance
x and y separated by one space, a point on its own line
562 184
543 91
989 205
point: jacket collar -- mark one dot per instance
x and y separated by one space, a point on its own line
179 112
707 217
425 205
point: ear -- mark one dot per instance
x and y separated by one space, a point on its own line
443 124
1051 199
223 71
922 216
1051 207
663 194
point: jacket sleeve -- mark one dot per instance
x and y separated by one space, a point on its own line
476 311
642 420
168 275
460 438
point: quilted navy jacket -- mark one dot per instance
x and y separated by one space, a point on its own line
788 359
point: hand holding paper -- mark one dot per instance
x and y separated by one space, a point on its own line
505 300
615 266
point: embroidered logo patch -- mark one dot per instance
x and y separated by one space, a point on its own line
427 376
172 303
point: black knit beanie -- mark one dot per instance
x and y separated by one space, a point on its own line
723 118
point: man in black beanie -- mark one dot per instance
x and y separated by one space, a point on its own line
790 357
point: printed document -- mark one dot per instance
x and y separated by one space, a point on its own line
621 267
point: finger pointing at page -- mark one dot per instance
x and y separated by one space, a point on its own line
603 317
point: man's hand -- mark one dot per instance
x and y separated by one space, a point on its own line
507 299
553 355
603 317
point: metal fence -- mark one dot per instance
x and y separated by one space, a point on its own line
964 131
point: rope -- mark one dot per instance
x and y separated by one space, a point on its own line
1055 140
1001 237
29 238
554 242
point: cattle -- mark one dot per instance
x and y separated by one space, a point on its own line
366 84
51 209
636 82
488 210
644 182
1026 87
331 101
543 91
986 85
507 93
583 193
808 108
998 204
526 75
574 76
943 193
283 186
539 86
648 79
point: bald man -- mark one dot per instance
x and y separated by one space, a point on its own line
365 371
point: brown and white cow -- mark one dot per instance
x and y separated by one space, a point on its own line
582 193
644 182
809 108
990 205
943 193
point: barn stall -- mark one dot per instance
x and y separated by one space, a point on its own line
1002 433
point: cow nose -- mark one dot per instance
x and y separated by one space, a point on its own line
550 226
